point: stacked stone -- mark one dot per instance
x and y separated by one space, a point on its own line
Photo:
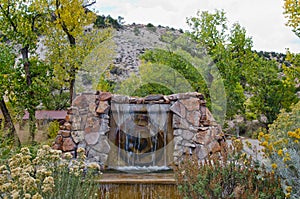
87 127
194 128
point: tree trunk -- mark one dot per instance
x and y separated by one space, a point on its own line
72 83
32 124
8 123
72 42
31 111
25 57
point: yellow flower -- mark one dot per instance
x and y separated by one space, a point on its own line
280 153
288 189
274 166
288 195
265 144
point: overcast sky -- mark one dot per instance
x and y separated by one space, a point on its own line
263 19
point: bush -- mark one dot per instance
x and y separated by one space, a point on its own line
283 149
53 128
151 27
233 175
47 176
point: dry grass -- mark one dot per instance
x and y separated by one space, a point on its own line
24 136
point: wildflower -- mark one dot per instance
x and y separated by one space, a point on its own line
248 144
264 143
25 151
94 166
48 184
274 166
46 147
288 189
15 194
288 195
68 155
80 150
2 168
27 196
243 155
37 196
280 152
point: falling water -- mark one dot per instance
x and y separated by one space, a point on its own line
140 134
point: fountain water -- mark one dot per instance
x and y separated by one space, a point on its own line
139 137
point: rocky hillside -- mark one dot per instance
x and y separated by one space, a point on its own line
133 40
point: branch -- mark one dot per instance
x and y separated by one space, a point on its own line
90 4
8 17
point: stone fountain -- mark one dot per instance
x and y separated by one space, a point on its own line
139 135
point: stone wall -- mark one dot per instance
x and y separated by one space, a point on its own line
194 128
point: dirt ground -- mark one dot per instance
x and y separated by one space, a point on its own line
24 136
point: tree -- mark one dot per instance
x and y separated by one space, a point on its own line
66 38
291 12
270 93
225 50
242 70
21 22
7 61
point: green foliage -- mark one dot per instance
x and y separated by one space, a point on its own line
7 61
152 88
271 93
105 85
53 128
233 175
283 149
103 21
242 69
6 147
21 22
57 99
229 52
151 27
44 174
179 64
164 72
136 31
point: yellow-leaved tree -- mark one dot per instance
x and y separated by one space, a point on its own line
292 13
70 38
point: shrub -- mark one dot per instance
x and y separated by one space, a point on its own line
151 27
47 175
283 149
136 31
233 175
53 128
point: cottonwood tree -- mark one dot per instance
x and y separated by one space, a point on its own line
69 40
291 12
210 31
7 62
21 23
241 69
